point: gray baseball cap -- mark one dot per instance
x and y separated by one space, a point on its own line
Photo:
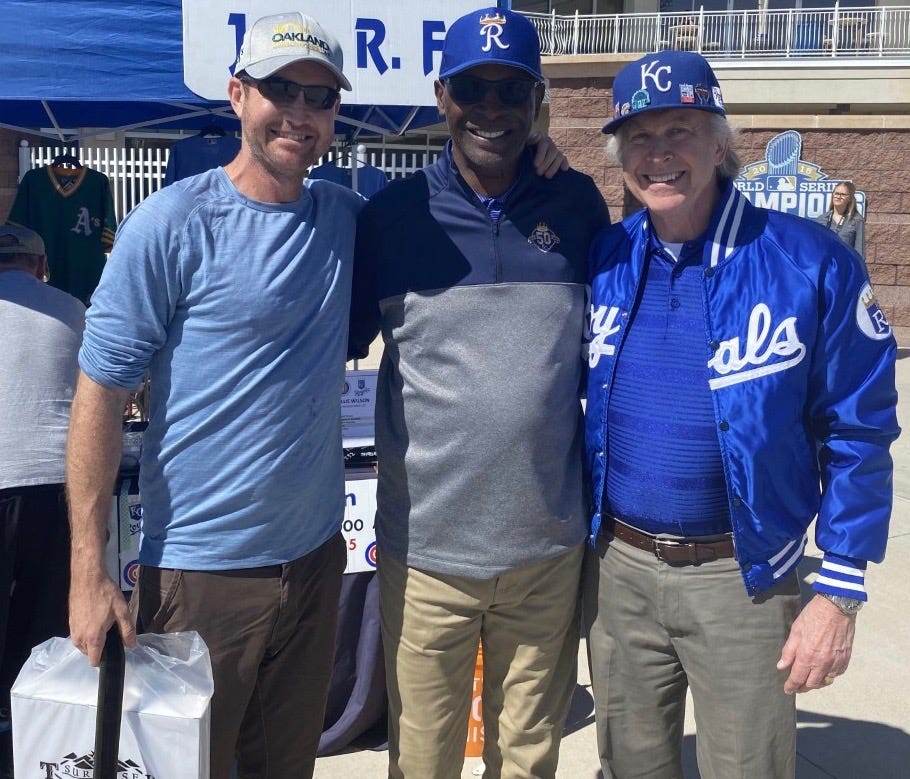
274 42
20 240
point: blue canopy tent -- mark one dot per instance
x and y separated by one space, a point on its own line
119 66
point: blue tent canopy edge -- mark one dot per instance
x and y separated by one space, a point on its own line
112 65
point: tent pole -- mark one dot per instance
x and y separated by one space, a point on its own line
25 159
407 122
50 115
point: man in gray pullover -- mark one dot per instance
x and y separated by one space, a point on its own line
475 271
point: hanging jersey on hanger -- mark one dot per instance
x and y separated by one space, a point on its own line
199 153
72 209
369 178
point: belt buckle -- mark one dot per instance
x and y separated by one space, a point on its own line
693 556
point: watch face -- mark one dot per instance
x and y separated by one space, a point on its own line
847 605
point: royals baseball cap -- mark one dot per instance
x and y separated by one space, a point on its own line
274 42
491 36
667 79
20 240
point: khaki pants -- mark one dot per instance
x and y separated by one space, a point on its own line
528 621
655 630
271 635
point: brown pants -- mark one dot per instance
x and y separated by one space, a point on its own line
271 635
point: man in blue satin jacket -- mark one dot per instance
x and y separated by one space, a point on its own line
741 382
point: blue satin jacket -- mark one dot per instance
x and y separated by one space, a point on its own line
800 362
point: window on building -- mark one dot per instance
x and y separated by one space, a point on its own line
561 7
540 7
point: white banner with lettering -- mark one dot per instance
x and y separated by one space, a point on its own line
391 49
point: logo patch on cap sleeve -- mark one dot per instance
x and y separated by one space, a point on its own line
640 99
718 97
869 317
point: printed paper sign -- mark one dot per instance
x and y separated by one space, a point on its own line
391 50
359 516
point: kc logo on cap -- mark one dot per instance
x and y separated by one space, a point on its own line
666 79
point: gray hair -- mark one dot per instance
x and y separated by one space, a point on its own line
721 130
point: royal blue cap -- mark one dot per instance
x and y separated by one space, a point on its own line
667 79
491 36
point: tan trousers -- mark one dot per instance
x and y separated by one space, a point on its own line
655 630
271 635
528 622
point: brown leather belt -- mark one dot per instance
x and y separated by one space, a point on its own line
670 551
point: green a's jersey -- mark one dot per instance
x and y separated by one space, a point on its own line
73 211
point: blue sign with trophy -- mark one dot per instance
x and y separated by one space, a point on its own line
785 182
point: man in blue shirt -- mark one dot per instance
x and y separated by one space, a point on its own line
232 288
738 362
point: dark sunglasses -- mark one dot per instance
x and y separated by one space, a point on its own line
280 91
471 89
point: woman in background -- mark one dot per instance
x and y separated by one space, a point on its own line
844 218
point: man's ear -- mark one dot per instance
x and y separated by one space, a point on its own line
235 94
539 92
439 89
721 153
41 270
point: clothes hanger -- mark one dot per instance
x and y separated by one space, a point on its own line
66 166
66 159
212 130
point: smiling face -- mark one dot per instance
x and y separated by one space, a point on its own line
489 137
280 142
669 162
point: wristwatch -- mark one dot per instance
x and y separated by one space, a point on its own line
848 606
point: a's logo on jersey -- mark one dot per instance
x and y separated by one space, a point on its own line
869 317
769 352
543 238
83 224
601 326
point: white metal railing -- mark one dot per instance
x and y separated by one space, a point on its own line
881 31
396 161
136 172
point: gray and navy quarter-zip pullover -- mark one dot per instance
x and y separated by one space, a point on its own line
479 423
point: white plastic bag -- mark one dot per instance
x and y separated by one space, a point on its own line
164 732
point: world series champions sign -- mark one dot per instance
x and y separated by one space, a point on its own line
785 182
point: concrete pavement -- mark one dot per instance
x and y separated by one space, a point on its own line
859 728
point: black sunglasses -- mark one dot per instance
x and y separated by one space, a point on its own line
280 91
471 89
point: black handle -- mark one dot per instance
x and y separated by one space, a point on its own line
110 703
